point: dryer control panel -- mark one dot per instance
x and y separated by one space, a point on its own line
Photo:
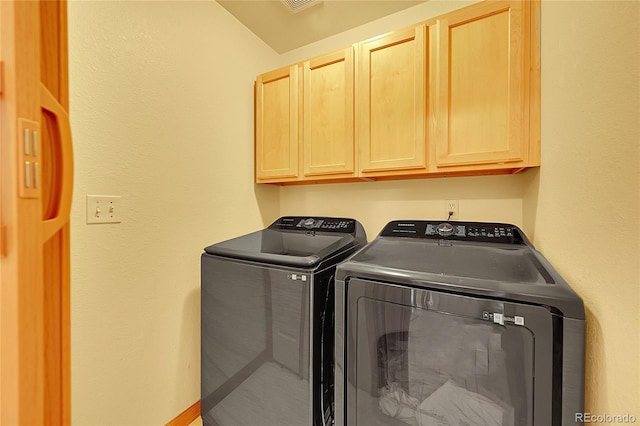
486 232
318 224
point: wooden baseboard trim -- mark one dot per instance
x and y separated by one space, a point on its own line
187 416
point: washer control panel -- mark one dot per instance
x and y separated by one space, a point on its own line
452 230
322 224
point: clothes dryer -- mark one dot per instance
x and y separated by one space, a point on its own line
456 323
267 312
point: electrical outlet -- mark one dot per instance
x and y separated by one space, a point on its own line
451 211
103 209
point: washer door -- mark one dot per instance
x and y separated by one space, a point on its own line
255 340
423 357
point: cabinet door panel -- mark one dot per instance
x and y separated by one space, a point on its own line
392 95
328 114
277 124
480 112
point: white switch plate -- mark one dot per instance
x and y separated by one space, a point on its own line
103 209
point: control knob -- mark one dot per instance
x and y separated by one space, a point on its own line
445 229
308 223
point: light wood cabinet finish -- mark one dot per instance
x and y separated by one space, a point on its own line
391 102
36 178
328 116
277 124
458 94
481 107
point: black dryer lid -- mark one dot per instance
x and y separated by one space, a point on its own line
490 259
301 242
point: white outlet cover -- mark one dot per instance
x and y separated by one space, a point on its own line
452 205
103 209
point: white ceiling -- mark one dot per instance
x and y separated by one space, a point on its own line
283 30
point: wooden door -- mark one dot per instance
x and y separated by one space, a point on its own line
277 125
328 127
481 107
37 180
391 102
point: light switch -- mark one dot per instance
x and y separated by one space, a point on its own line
103 209
29 158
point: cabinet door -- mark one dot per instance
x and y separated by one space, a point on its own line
481 109
328 115
391 102
277 125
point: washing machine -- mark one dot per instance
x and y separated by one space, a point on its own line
456 323
267 314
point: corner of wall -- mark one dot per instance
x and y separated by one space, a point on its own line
530 192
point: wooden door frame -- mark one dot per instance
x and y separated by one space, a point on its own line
34 291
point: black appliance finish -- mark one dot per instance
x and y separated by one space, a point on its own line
456 323
267 312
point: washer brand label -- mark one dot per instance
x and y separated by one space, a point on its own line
297 277
499 318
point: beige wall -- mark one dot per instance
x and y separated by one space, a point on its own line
161 111
582 206
491 198
161 107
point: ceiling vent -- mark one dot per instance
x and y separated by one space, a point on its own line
295 6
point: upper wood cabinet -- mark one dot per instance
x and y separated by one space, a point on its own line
458 94
481 99
391 102
328 130
276 155
304 120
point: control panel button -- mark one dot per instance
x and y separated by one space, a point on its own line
445 229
